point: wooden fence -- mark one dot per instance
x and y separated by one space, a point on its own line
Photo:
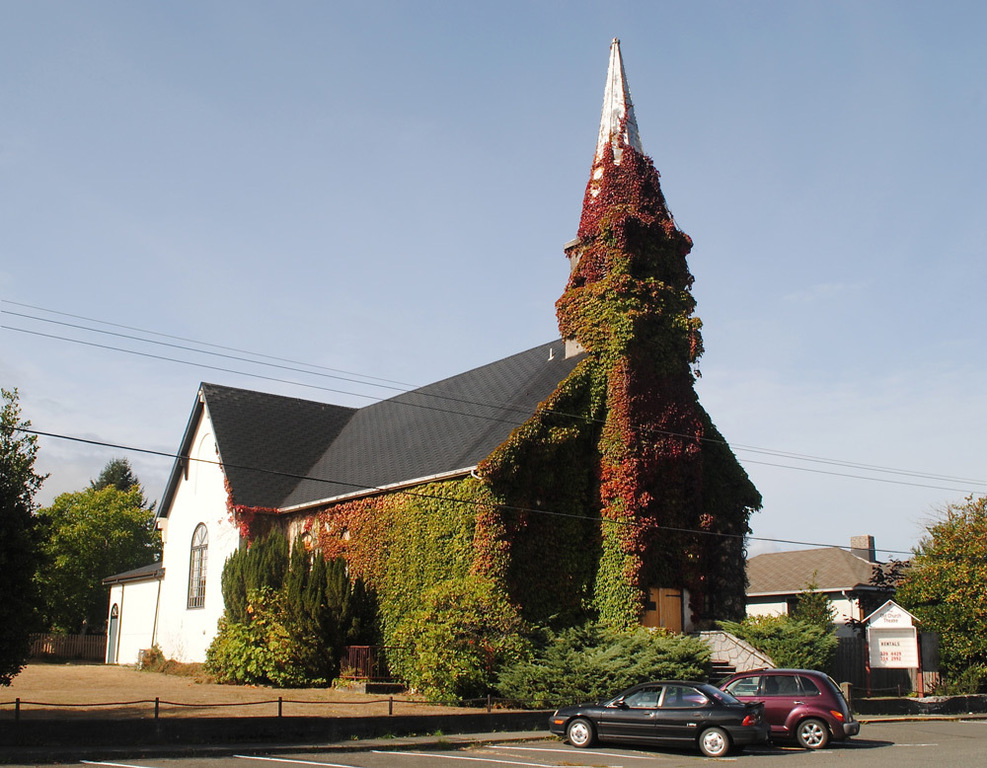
851 667
82 647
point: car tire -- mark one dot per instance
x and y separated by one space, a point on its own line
714 742
580 733
812 733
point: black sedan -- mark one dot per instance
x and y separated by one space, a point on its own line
668 713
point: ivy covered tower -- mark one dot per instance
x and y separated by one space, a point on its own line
669 501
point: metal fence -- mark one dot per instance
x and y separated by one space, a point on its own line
366 662
82 647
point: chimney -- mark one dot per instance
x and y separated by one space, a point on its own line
863 547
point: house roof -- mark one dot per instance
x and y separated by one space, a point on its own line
831 569
282 452
144 573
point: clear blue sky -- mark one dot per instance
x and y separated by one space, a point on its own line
385 188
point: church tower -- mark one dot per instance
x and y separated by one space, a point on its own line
646 508
668 529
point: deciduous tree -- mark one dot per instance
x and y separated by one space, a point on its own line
89 535
944 587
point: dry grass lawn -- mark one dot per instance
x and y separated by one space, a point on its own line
49 690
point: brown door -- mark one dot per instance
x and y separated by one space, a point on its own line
663 609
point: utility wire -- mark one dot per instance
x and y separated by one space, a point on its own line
196 341
522 414
372 489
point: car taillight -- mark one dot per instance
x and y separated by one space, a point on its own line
837 715
749 720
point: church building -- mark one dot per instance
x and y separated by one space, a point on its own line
581 478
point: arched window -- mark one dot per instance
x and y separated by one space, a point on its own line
197 567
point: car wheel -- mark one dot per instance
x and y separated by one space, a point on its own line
714 742
580 733
812 733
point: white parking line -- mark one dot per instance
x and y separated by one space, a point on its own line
593 752
112 765
478 759
294 762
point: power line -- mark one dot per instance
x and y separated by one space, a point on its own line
190 341
522 414
372 489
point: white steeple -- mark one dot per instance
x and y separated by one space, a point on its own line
618 121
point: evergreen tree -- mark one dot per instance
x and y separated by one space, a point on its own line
311 602
263 565
118 473
18 540
814 607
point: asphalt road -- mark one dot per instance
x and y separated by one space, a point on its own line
899 744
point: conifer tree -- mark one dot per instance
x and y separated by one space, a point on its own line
18 542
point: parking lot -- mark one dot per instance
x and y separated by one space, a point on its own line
902 744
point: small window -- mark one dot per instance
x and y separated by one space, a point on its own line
809 687
646 698
197 567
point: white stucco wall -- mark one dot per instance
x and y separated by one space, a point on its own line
184 633
136 604
843 609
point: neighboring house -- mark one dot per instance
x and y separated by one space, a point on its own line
846 577
579 477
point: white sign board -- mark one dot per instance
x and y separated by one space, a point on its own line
893 648
890 616
892 638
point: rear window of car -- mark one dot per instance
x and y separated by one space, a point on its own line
681 696
721 696
809 687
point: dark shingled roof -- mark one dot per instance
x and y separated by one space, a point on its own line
268 442
443 427
281 452
831 568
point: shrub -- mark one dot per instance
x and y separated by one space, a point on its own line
789 642
592 662
450 649
971 680
288 616
268 649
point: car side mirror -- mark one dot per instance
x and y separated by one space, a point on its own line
620 704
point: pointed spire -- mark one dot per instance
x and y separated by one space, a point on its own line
618 126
